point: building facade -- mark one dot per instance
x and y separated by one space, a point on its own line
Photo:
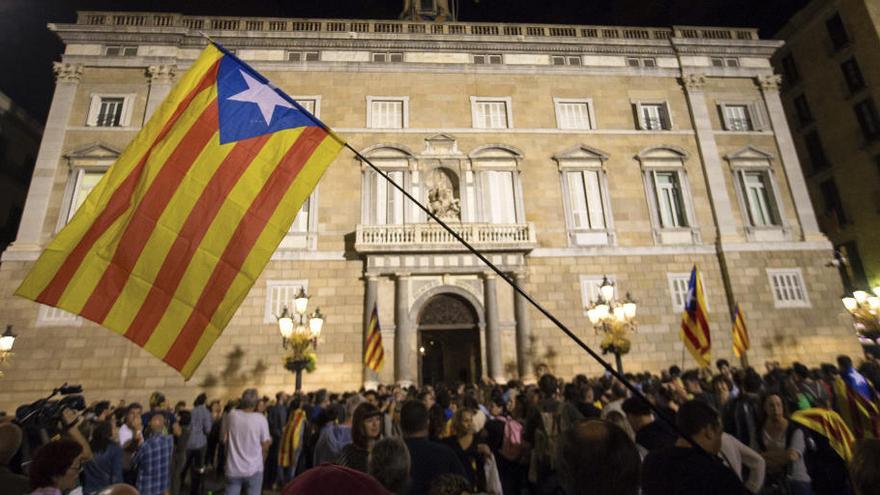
19 140
564 153
830 91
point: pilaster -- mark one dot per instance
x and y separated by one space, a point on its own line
405 358
493 330
161 77
523 333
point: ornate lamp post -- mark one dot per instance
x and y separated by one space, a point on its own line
865 310
614 320
7 340
299 336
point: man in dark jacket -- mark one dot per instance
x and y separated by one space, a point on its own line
428 459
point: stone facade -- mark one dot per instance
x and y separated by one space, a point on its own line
349 260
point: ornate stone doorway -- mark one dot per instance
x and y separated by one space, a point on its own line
449 341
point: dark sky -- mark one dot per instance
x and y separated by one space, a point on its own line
27 48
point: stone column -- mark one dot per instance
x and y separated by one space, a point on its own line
371 378
30 232
405 358
161 78
790 164
712 169
523 333
493 332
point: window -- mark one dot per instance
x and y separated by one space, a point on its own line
641 62
574 114
869 120
492 59
590 289
120 51
668 196
302 56
853 75
787 286
805 115
790 70
741 116
280 293
586 198
386 57
301 234
84 181
565 59
110 111
388 201
387 112
725 62
50 316
818 159
837 32
758 198
833 204
499 196
491 113
653 116
678 289
310 103
669 199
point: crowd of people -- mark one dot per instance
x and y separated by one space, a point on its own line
722 431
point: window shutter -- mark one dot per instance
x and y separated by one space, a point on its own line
640 116
127 107
759 120
94 109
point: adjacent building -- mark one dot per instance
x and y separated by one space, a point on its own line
565 153
830 91
19 140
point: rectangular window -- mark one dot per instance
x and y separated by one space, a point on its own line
483 59
837 32
585 198
490 114
387 113
790 70
572 114
302 56
758 199
669 200
654 116
301 222
110 112
787 286
869 120
389 201
678 289
725 62
590 289
499 203
853 75
310 104
280 293
565 60
805 115
641 62
738 118
818 159
50 316
833 204
387 57
86 180
120 51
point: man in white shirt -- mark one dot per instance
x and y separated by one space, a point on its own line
132 424
247 444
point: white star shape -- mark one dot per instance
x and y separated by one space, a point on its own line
262 94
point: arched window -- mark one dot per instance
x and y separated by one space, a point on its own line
383 203
498 186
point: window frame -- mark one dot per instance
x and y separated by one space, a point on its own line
668 159
304 56
388 158
487 58
386 57
122 49
403 100
314 98
95 100
868 118
640 120
496 158
754 112
672 277
308 239
268 307
790 69
750 160
803 111
508 103
591 116
816 151
856 83
581 159
50 316
566 60
798 275
587 282
839 29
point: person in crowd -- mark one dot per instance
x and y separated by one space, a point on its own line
726 371
450 484
390 464
540 434
133 424
429 459
277 419
247 445
13 483
650 433
693 387
471 453
55 467
570 413
158 405
586 401
366 427
864 468
782 444
597 457
199 429
330 479
720 392
737 455
105 466
153 458
335 436
810 392
182 431
686 469
740 415
213 441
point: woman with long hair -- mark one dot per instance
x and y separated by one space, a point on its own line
366 428
105 467
781 443
470 452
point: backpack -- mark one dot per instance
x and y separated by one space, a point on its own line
511 445
546 441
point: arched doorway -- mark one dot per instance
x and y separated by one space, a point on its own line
449 341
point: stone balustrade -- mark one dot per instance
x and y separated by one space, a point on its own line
432 237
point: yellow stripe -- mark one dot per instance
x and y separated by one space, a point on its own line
266 244
201 267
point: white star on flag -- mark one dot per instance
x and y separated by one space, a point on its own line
263 95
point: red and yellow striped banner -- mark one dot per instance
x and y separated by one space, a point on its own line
695 323
741 343
170 241
374 352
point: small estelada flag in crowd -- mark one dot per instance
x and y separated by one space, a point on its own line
741 342
169 242
374 353
695 322
830 425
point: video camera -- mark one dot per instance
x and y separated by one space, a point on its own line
41 420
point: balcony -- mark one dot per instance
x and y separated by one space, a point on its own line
430 237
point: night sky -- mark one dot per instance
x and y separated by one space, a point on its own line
27 48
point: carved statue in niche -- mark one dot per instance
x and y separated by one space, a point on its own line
442 200
425 10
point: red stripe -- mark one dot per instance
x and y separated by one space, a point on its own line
372 353
243 240
190 237
118 204
686 329
704 325
146 215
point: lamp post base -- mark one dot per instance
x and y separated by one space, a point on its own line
297 366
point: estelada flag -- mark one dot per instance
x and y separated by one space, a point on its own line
374 352
741 342
830 425
695 322
169 242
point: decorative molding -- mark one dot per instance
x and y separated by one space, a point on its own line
694 82
769 82
67 72
161 73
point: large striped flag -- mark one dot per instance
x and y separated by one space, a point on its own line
861 412
695 322
741 343
830 425
170 241
374 353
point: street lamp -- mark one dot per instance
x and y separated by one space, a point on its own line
7 340
299 335
864 308
613 319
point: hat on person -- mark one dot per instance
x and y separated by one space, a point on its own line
329 479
